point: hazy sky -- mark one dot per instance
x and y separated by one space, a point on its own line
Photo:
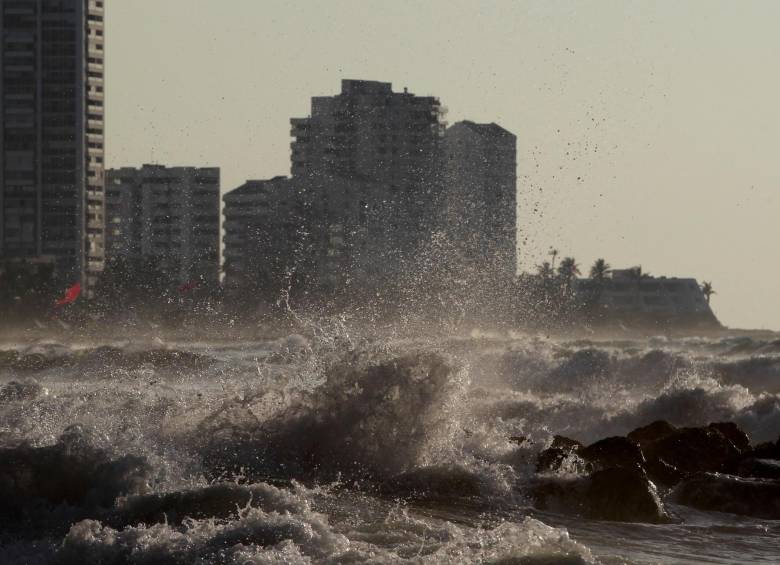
648 132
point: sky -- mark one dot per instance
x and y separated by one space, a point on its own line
647 131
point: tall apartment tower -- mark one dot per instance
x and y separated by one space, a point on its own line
51 147
479 205
169 215
263 236
372 155
369 131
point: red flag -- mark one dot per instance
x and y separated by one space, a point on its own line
70 296
186 287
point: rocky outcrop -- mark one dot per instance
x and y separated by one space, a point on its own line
617 494
552 459
693 450
766 450
651 432
613 452
712 467
755 468
759 498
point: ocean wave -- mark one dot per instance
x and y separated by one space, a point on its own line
40 487
418 440
105 358
370 419
259 536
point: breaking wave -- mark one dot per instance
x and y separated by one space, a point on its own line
331 448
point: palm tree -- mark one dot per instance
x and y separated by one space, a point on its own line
568 270
545 270
599 270
707 290
553 253
598 275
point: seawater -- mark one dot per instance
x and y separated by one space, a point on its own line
306 449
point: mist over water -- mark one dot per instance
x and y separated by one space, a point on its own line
343 445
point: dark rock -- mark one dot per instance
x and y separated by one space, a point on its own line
561 442
692 450
734 434
619 494
755 468
551 459
759 498
563 495
662 473
766 450
652 432
613 452
623 495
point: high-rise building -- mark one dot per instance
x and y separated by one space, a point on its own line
52 145
370 155
263 232
301 235
369 131
377 190
169 215
479 204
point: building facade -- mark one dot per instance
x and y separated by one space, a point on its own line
369 159
168 215
625 295
263 236
369 131
375 182
52 142
479 204
316 237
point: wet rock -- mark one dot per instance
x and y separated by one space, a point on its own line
661 473
432 483
556 494
618 494
561 442
693 450
623 495
759 498
766 450
550 460
651 432
734 434
553 459
755 468
613 452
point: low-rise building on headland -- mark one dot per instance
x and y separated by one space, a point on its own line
627 295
